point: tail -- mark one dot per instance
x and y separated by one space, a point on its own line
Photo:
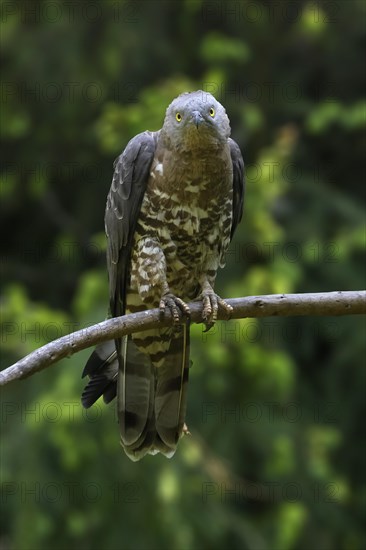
152 393
151 390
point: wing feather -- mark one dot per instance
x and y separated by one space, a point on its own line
238 184
131 171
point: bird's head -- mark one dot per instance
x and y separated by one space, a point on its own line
196 120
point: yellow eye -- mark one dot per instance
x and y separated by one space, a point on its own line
178 116
212 112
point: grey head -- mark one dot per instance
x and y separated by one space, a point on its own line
195 120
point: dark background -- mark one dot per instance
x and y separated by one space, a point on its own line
276 406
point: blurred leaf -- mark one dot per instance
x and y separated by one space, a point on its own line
217 48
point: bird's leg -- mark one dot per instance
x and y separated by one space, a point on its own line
173 303
150 276
211 303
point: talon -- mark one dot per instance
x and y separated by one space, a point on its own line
207 309
175 305
208 326
211 303
227 307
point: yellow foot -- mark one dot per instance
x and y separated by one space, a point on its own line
175 305
211 303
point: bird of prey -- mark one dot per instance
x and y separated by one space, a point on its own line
175 201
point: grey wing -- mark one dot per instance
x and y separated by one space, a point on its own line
238 184
123 206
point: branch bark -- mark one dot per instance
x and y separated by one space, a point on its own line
324 303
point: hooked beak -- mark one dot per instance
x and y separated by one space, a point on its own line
197 118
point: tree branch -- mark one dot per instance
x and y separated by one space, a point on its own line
326 304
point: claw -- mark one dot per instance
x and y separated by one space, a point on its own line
176 306
211 303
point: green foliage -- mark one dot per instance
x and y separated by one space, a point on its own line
276 406
218 49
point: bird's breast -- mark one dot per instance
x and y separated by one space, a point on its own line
188 199
194 180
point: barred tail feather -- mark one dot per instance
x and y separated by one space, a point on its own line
152 399
171 390
151 394
135 397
